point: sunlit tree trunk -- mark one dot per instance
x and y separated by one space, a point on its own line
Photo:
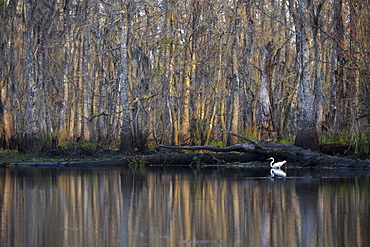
220 91
68 117
63 118
190 70
86 127
235 94
6 120
211 122
75 123
86 130
185 123
40 68
7 75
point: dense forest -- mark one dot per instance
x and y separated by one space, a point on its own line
127 73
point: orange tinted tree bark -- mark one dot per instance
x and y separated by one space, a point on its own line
6 75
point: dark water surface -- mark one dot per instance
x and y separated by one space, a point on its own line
183 207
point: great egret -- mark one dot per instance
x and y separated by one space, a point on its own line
277 172
277 164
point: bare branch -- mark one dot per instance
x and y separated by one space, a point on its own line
242 147
240 136
94 116
277 20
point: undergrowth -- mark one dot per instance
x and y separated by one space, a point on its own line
15 156
360 143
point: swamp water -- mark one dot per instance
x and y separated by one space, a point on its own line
160 206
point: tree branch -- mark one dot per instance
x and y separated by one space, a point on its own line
277 20
94 116
242 147
240 136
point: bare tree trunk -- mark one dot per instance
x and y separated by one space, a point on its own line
185 123
62 126
7 75
354 108
86 131
337 67
101 85
5 116
235 94
220 95
210 127
170 98
171 18
307 136
31 111
40 79
75 126
126 131
190 72
249 112
318 91
282 57
266 125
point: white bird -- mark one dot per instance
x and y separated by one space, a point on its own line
277 164
277 173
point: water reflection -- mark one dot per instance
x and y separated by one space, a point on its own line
276 172
166 207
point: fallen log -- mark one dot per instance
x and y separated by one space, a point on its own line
163 159
241 147
294 155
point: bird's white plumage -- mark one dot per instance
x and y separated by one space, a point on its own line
277 164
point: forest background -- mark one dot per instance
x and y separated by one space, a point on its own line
129 73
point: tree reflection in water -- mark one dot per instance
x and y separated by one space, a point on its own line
166 207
